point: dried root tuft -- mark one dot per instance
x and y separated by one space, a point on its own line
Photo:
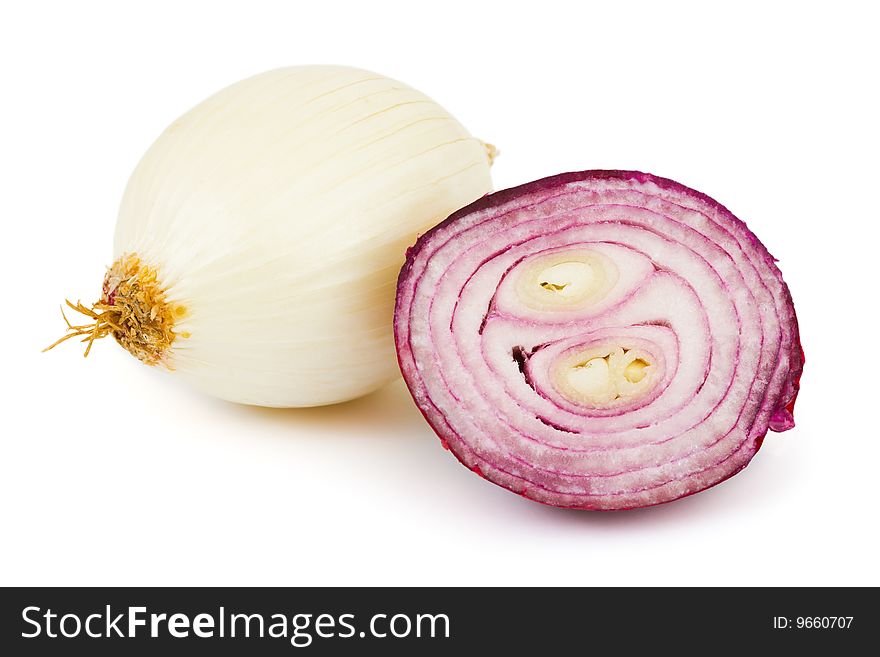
133 309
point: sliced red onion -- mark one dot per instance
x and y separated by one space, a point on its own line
598 340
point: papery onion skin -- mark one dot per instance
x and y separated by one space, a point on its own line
276 214
522 393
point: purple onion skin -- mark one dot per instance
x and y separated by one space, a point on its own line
670 282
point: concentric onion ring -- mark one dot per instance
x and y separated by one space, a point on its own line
598 340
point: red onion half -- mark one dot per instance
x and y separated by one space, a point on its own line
598 340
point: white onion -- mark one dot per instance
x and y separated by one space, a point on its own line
274 217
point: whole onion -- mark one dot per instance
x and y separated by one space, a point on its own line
598 340
259 238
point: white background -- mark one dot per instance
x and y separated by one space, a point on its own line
112 473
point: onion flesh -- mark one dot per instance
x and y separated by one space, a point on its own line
598 340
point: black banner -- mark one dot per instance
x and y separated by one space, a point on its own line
320 621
